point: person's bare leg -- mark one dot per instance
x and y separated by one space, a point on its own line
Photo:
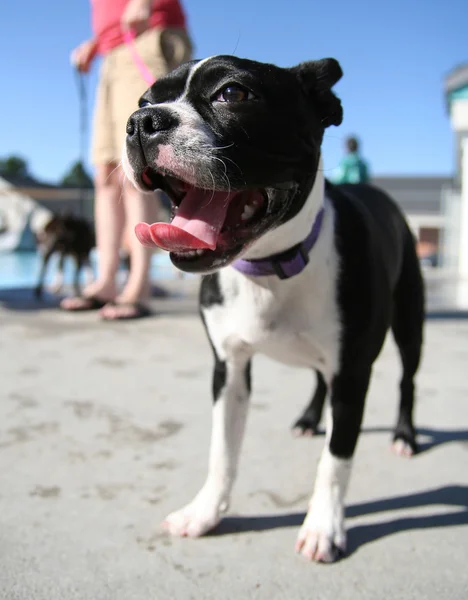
109 223
138 207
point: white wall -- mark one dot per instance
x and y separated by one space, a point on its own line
17 210
459 122
459 115
463 263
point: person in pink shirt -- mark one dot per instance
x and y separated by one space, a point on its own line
163 43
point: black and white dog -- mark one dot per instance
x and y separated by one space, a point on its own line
308 273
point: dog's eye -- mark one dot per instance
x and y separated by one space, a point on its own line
144 103
234 93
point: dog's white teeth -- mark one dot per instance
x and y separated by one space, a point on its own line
191 253
249 211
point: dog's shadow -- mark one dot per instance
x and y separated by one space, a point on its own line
436 437
23 299
359 535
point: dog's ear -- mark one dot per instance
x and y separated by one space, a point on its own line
317 77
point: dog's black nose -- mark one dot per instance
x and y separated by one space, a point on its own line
148 122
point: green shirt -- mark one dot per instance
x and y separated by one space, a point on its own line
352 169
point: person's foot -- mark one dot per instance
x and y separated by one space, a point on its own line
94 297
120 311
82 303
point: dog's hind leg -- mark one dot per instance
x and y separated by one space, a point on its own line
58 279
89 273
407 327
76 279
231 391
308 422
322 536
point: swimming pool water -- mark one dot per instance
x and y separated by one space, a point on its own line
21 269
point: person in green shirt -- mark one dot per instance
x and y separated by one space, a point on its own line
352 168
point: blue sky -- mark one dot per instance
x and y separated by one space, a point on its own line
394 56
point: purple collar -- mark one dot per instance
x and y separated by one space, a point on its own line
284 264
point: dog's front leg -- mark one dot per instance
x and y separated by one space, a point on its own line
231 390
45 261
322 536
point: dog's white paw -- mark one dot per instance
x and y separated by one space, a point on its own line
321 538
193 520
404 448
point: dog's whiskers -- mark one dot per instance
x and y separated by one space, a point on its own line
224 175
234 163
213 189
123 177
113 171
222 147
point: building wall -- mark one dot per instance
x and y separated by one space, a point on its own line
450 243
457 97
416 195
83 208
422 201
459 109
61 200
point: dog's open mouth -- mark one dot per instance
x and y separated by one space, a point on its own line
204 221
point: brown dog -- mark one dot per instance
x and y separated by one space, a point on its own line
68 236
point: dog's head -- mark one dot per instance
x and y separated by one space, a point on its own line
236 145
52 230
66 232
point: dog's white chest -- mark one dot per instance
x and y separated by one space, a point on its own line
294 321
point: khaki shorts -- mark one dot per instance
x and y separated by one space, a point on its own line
121 85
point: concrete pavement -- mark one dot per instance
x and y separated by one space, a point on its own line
104 429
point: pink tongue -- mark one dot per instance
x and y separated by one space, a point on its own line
196 226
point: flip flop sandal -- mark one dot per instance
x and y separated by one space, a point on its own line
139 311
89 303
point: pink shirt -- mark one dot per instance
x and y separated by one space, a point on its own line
106 16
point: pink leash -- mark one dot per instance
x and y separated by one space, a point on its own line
129 39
